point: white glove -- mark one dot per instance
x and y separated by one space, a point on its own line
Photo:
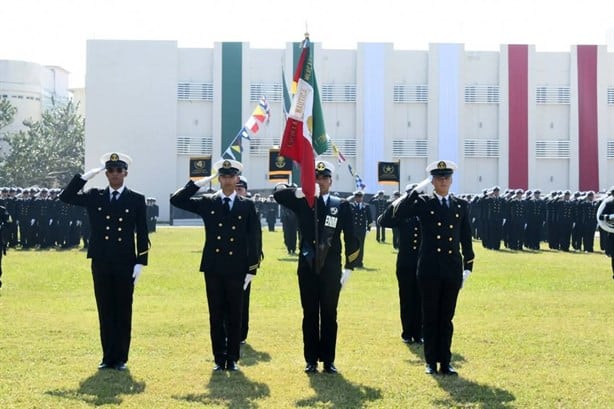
205 181
422 185
32 222
136 273
298 193
280 186
466 274
248 279
50 222
345 275
503 224
91 173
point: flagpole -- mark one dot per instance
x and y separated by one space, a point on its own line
316 238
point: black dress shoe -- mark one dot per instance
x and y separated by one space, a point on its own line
448 370
430 369
219 367
232 366
419 341
329 367
311 367
103 365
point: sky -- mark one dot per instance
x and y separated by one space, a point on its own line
55 32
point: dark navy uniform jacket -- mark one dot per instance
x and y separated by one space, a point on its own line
233 241
445 231
113 227
409 236
342 220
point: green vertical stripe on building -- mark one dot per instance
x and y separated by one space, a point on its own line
232 68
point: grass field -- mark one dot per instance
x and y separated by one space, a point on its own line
532 330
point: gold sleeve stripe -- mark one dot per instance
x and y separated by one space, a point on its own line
144 252
254 267
469 261
353 256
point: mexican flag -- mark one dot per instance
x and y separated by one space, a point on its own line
304 136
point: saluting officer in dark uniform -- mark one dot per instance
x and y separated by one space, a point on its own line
410 300
320 276
116 214
230 257
445 259
361 215
379 204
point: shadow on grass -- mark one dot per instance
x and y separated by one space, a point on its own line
418 351
231 390
103 388
334 391
465 393
250 357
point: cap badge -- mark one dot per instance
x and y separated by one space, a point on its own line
321 166
226 164
114 157
441 165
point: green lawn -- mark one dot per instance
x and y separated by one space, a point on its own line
531 331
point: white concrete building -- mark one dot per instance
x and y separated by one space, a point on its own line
515 117
30 88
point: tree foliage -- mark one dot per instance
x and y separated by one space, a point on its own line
7 112
48 152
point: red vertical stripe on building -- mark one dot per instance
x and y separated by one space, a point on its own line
587 117
518 82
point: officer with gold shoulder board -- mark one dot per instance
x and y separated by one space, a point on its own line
320 276
445 258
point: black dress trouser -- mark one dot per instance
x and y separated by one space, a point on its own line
410 300
225 300
113 288
438 306
319 299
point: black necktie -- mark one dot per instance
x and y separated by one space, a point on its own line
114 198
226 205
444 202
